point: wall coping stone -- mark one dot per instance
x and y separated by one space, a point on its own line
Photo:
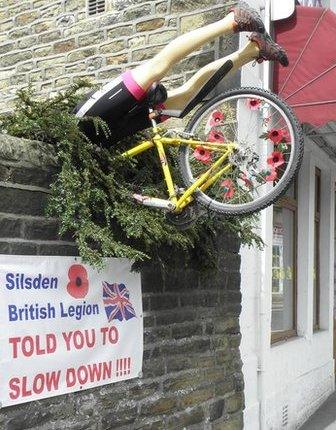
30 151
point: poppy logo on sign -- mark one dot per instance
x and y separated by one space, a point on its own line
78 285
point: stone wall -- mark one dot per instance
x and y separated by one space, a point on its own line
192 375
49 44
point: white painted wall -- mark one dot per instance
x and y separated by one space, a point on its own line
297 375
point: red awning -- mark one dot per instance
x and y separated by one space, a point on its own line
308 84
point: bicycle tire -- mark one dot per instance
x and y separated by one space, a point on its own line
286 179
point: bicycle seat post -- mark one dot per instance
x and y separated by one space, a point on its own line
152 119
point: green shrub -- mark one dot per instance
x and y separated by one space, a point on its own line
91 193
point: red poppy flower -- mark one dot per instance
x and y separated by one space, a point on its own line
216 118
271 175
228 188
216 136
275 135
276 159
202 154
285 136
78 286
253 104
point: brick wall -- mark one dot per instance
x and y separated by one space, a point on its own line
192 368
49 44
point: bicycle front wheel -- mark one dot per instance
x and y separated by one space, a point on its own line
269 150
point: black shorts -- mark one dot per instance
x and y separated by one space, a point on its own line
122 104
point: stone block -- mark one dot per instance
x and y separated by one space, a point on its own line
18 79
12 59
62 82
75 68
153 367
91 38
117 418
187 330
52 249
4 84
17 201
19 32
156 334
145 53
81 54
30 176
7 25
176 316
142 390
164 302
6 47
23 248
160 406
150 24
216 409
189 381
5 247
136 41
25 67
41 229
232 423
51 36
43 26
191 22
162 36
27 42
111 47
186 419
109 73
26 18
234 403
53 72
177 363
10 227
117 59
43 51
131 14
123 30
196 397
161 8
64 46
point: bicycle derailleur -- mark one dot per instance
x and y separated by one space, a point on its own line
184 219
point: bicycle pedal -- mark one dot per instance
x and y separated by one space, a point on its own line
154 202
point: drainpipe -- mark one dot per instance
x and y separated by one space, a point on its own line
264 264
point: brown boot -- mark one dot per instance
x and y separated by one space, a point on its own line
268 49
246 18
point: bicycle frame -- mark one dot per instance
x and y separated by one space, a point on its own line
178 203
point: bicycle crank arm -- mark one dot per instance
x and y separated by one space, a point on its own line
154 202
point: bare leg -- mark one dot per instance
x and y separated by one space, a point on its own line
156 68
179 97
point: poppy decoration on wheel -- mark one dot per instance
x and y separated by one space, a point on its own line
78 285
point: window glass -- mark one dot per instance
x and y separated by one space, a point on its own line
316 271
283 270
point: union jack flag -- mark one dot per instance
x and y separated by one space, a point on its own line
116 302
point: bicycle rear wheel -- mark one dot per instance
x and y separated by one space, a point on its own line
269 150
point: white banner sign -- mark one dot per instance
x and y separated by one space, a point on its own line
65 326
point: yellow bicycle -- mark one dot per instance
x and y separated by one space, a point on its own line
238 154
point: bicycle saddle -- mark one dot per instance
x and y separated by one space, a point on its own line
156 94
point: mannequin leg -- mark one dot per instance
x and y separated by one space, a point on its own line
179 97
157 67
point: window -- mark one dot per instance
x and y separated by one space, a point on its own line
312 3
284 264
95 6
316 274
